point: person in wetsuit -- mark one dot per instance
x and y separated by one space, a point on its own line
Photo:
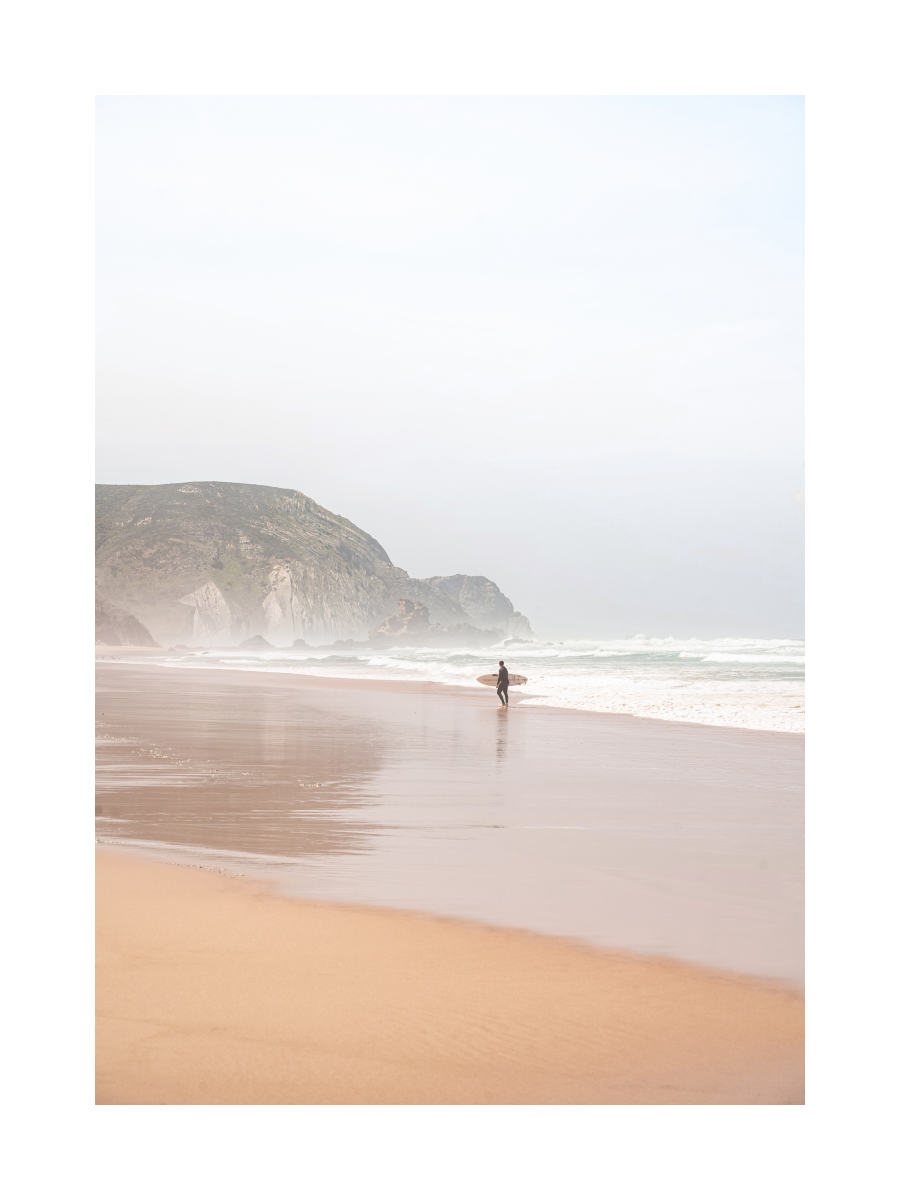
503 684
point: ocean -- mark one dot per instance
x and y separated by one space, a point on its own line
745 683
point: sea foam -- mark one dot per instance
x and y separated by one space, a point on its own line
746 683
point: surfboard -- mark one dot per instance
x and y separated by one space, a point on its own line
491 680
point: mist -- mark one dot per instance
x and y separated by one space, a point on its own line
554 341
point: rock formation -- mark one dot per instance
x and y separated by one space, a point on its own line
483 602
113 626
412 626
215 563
215 621
257 642
413 617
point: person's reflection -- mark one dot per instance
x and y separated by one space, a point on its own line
502 714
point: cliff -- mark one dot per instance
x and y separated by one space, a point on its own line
412 626
115 627
216 563
483 603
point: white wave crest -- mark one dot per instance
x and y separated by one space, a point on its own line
749 683
756 658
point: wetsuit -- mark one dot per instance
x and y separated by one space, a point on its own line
503 685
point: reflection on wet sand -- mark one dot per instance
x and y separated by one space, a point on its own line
659 837
502 716
189 762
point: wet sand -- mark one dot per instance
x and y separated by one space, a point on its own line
656 837
347 805
216 991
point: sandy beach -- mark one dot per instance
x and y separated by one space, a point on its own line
214 991
406 850
394 392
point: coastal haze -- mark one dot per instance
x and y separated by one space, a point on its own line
390 390
555 343
217 564
223 576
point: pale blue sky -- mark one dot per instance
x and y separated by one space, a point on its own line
557 341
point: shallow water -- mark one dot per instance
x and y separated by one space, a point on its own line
654 836
745 683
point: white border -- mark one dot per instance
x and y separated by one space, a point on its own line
57 57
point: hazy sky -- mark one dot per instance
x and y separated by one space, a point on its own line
555 341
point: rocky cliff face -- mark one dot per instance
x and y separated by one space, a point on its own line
483 602
412 625
215 622
411 617
115 627
215 563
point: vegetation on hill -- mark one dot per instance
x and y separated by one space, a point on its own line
215 563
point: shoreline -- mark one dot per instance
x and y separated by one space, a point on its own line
655 837
109 654
267 887
253 873
371 1005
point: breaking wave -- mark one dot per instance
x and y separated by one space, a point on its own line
746 683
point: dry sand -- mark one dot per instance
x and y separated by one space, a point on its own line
215 991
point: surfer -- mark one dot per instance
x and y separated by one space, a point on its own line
503 684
